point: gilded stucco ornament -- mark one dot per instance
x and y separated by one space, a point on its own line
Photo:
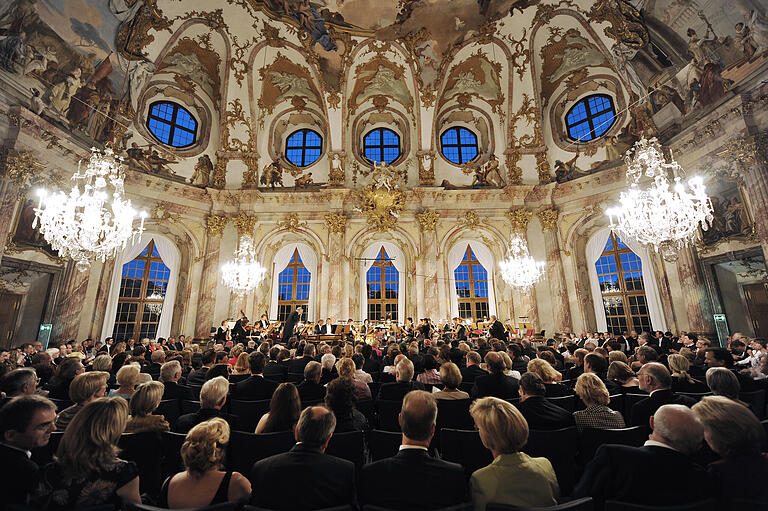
519 219
470 220
747 151
336 222
548 218
382 201
214 225
337 161
163 214
626 23
428 220
292 223
244 224
220 172
21 167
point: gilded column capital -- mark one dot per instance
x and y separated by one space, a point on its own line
244 224
336 222
548 218
214 225
470 220
428 220
519 219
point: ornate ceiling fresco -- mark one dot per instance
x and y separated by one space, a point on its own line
252 72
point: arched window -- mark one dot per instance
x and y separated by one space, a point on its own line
143 285
293 288
620 275
383 284
459 145
172 124
381 145
303 147
471 287
590 117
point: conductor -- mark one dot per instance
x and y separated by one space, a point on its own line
290 324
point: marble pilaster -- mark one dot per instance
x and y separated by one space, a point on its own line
555 272
336 254
9 197
208 283
697 305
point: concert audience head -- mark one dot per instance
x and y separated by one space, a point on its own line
718 357
68 369
274 351
595 363
284 354
327 361
257 362
450 375
19 382
677 427
357 358
578 356
209 357
102 363
213 395
429 363
309 350
502 428
616 356
404 370
218 370
313 371
204 447
645 354
730 428
346 368
591 389
263 348
284 409
543 369
531 385
473 358
26 422
221 358
620 372
146 399
417 418
654 376
243 365
495 362
340 397
128 375
722 382
315 427
158 357
88 386
548 357
170 371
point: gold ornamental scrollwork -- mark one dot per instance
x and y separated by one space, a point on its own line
548 218
470 220
519 219
428 220
214 225
543 168
336 222
746 152
162 213
244 224
292 223
220 172
21 167
382 206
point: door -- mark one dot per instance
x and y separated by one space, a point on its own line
9 313
756 296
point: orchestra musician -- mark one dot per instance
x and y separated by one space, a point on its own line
408 329
366 328
459 330
241 330
222 334
497 330
328 328
263 323
290 324
319 327
352 330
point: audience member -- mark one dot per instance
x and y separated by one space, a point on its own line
297 365
256 387
722 382
539 412
440 483
26 423
340 399
597 414
273 370
620 472
19 382
284 409
197 377
513 478
624 377
143 403
310 389
655 379
396 390
58 387
431 375
203 483
127 378
679 367
473 369
346 371
170 374
495 384
85 388
87 470
330 481
360 374
213 396
550 376
451 378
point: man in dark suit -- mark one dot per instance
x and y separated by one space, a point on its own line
540 413
496 384
473 369
441 484
519 361
624 473
497 330
578 369
197 377
331 480
396 390
274 371
157 360
256 387
320 327
290 324
655 379
26 423
310 389
297 365
213 397
598 364
177 345
170 374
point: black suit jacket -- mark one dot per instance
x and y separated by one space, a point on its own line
153 369
440 484
544 415
648 475
297 365
190 420
255 388
275 372
311 391
498 331
642 410
371 365
329 481
497 385
290 324
21 476
396 390
471 373
175 391
197 377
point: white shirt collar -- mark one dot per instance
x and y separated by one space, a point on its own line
418 447
655 443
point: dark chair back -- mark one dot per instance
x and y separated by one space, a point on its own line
464 448
466 386
706 505
467 506
617 403
756 400
591 439
61 403
348 446
196 390
170 409
245 449
367 408
143 449
454 414
565 402
248 413
383 444
374 386
696 396
583 504
631 400
172 462
225 506
294 378
336 508
560 447
387 412
188 406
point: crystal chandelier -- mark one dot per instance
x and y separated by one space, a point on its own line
519 269
94 221
666 215
242 274
155 308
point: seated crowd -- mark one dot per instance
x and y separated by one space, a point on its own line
697 409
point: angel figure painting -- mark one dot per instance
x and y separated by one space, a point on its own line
731 219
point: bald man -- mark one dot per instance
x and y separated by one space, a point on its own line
496 384
660 473
655 379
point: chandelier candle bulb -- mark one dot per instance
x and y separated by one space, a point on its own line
243 273
519 269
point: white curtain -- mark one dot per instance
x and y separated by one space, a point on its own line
484 257
280 262
398 261
594 248
171 257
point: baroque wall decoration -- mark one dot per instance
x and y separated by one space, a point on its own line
214 225
336 222
428 220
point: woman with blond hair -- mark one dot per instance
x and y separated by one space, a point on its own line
597 415
450 375
550 376
513 478
84 388
242 368
143 402
681 380
203 483
87 471
127 378
346 369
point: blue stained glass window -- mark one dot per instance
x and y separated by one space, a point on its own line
459 145
381 145
590 117
172 124
303 147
